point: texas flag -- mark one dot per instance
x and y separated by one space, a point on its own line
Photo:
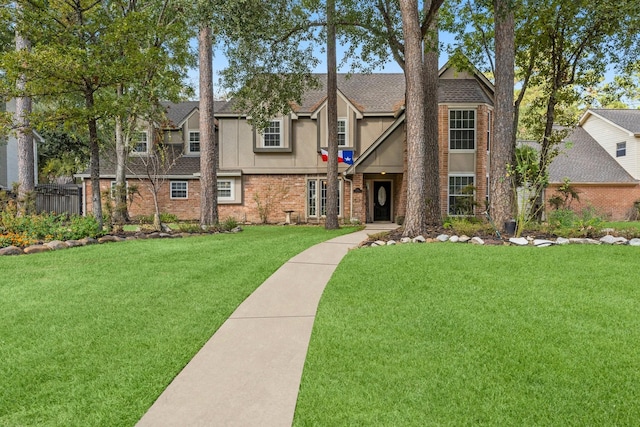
344 156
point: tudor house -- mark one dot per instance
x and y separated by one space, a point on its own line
282 171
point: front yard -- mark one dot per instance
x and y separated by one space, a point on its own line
91 336
450 335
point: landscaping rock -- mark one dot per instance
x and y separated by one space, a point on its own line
442 238
454 239
380 243
88 241
236 229
464 238
634 242
519 241
57 244
165 235
155 235
419 239
477 241
36 249
612 240
405 240
109 238
11 250
391 242
73 243
583 241
562 241
542 243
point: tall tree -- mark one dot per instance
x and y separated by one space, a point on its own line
415 220
503 147
26 158
332 120
433 213
208 140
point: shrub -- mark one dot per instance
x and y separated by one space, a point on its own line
470 226
28 229
568 223
229 223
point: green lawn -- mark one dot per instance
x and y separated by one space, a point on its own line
91 336
453 335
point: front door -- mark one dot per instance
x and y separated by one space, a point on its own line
382 201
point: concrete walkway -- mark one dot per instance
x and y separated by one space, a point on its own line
249 372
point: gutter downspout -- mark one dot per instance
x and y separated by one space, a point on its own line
84 197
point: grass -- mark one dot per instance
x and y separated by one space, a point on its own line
91 336
451 335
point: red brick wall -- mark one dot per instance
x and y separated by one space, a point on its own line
614 202
279 192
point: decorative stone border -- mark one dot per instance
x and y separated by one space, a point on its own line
520 241
55 245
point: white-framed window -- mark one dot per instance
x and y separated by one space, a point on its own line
225 190
272 135
113 188
621 149
317 197
462 129
461 195
179 189
342 133
140 142
194 142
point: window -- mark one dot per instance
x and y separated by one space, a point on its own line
342 132
271 136
621 149
317 197
194 142
225 190
461 195
179 189
141 142
462 130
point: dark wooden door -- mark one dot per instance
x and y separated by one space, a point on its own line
382 201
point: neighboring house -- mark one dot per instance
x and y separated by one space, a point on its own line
9 154
602 162
282 169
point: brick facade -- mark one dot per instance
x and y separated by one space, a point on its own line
276 194
614 202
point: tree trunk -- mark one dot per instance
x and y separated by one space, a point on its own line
208 140
94 150
415 220
26 157
120 214
501 196
432 165
331 222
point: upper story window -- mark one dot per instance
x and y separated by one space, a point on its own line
194 142
272 135
141 142
342 132
489 131
621 149
462 129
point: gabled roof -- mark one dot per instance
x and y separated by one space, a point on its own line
383 93
585 161
626 120
179 113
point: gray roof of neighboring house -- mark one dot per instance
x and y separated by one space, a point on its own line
585 161
380 93
627 119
